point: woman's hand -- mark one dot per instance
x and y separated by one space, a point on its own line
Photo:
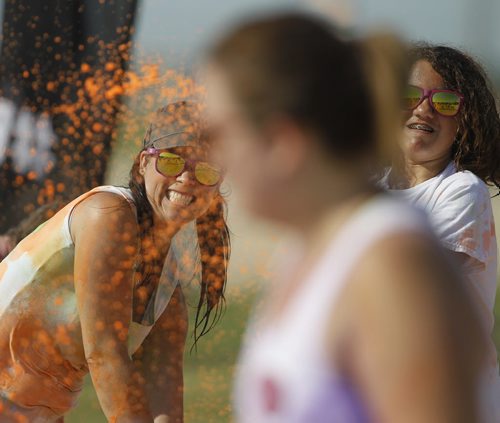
105 233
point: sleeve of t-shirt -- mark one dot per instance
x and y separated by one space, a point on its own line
462 217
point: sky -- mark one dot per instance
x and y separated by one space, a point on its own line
179 30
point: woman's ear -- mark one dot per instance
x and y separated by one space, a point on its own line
143 162
288 148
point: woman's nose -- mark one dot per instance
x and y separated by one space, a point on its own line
187 177
424 109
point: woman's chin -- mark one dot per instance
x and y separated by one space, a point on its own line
415 149
169 211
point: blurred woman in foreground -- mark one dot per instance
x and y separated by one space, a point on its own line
368 322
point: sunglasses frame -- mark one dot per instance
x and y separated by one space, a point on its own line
152 151
427 94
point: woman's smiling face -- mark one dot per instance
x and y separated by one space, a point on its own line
181 198
427 135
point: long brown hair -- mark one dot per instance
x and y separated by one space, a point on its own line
477 146
301 67
215 248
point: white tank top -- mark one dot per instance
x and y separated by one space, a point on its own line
285 374
181 265
37 296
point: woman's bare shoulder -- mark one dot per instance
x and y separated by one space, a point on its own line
103 211
409 275
398 260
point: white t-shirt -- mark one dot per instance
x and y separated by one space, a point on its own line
459 208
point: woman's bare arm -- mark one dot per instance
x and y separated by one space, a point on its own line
160 360
104 230
417 347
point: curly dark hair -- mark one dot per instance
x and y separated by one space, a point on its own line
477 147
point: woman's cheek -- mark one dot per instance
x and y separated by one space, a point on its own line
205 202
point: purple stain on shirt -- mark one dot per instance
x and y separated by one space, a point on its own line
338 402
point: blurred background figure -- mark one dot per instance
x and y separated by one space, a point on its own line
449 152
16 233
62 66
300 116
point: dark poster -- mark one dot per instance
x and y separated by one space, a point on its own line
62 66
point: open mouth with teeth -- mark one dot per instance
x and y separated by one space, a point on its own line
179 198
421 127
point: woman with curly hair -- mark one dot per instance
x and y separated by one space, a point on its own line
98 288
450 154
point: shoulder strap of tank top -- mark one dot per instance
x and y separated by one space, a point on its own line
124 192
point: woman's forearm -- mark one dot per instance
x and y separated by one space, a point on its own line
120 389
166 397
161 362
